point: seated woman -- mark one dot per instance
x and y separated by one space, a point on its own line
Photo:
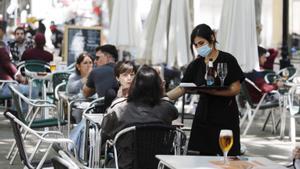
143 105
84 65
124 73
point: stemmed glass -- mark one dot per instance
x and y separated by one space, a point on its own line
225 142
222 72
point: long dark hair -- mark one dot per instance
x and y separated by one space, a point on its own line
146 87
80 59
203 31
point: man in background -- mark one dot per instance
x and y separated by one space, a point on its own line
38 52
56 38
20 44
257 76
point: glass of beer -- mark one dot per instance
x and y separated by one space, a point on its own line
225 142
52 66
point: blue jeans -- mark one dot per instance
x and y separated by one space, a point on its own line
22 88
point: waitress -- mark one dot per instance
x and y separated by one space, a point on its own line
216 109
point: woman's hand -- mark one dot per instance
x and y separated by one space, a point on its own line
175 93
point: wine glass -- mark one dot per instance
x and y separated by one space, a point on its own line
225 142
222 72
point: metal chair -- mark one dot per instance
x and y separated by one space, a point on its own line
27 161
292 72
32 67
60 163
35 107
66 159
58 78
294 109
71 67
143 141
37 66
271 77
93 116
252 107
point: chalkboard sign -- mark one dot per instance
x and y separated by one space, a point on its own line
78 39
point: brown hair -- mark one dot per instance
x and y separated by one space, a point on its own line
80 59
124 66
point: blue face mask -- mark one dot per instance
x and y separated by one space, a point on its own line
204 50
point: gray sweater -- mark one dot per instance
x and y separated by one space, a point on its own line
74 84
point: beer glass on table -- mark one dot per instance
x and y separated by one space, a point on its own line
225 142
222 72
52 66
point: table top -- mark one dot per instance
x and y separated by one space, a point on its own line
214 162
39 75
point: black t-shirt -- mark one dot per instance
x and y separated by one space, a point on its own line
196 70
214 113
102 79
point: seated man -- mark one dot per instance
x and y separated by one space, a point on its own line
8 71
20 44
102 78
258 77
38 52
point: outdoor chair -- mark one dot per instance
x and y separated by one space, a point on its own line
71 67
59 83
60 80
35 108
66 159
60 163
253 107
294 109
146 141
91 148
42 136
292 72
35 67
271 77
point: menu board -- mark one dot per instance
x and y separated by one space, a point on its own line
78 39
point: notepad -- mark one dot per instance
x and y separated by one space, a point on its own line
187 85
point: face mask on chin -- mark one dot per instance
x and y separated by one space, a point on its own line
204 50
